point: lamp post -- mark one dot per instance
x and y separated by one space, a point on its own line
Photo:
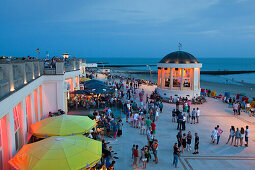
150 70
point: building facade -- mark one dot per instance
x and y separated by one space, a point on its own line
28 92
179 75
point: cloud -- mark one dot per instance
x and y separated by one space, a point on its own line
135 11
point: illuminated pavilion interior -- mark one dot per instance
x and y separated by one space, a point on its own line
179 75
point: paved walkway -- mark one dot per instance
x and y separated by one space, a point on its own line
221 156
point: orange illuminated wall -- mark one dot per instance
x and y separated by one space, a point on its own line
40 98
159 77
77 81
70 82
18 126
36 105
4 144
28 112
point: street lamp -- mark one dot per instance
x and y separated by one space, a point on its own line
150 70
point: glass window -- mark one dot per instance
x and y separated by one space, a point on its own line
16 118
186 83
176 82
167 82
187 76
177 77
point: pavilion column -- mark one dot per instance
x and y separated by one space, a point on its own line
182 79
171 78
193 79
161 76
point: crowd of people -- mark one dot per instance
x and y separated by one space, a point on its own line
142 112
237 136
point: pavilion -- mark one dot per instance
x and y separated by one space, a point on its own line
179 75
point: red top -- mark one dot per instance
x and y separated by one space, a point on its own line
135 153
153 126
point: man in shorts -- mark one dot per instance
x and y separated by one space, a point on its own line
197 115
247 135
193 116
148 123
196 144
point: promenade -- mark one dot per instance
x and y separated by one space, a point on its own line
210 156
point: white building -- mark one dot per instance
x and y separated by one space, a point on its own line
28 92
179 75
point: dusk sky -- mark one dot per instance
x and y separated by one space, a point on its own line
127 28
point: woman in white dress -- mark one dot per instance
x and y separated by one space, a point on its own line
214 135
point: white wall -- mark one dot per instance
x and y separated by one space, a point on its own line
50 97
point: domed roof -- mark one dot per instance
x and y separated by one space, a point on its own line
179 57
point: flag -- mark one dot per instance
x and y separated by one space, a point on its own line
37 49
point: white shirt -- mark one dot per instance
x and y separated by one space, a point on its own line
247 132
198 112
136 116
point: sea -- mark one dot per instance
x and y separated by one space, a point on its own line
209 64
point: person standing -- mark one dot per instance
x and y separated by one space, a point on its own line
148 122
196 144
235 108
197 114
189 105
193 116
184 142
231 134
155 150
184 121
219 132
143 158
173 115
214 135
136 157
179 138
242 136
247 135
239 108
189 139
176 154
142 131
180 120
161 106
153 127
237 137
177 104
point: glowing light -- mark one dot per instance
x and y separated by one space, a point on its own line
25 82
12 89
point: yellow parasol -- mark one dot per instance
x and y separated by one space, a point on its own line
62 126
84 79
58 153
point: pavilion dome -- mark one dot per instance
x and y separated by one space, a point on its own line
179 57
